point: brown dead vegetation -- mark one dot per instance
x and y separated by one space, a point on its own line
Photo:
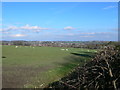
100 73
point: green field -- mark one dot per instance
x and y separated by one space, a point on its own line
30 67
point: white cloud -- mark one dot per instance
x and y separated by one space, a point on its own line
69 28
3 31
0 29
109 7
90 33
84 35
114 29
1 20
11 28
87 36
70 34
26 27
18 35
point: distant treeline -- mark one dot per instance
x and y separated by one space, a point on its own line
73 44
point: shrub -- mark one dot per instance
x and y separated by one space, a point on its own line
101 72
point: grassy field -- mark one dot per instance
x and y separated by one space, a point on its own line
30 67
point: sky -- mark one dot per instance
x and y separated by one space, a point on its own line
60 21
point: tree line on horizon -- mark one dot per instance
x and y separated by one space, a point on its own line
72 44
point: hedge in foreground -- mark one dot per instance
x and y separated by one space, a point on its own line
100 73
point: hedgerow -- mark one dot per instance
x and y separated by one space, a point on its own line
102 72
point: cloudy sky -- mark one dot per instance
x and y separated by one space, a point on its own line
66 21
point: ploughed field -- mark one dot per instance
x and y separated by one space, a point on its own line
36 67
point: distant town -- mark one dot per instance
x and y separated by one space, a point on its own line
73 44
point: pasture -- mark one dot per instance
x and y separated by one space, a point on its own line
35 67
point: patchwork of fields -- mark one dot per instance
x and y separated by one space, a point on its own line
30 67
